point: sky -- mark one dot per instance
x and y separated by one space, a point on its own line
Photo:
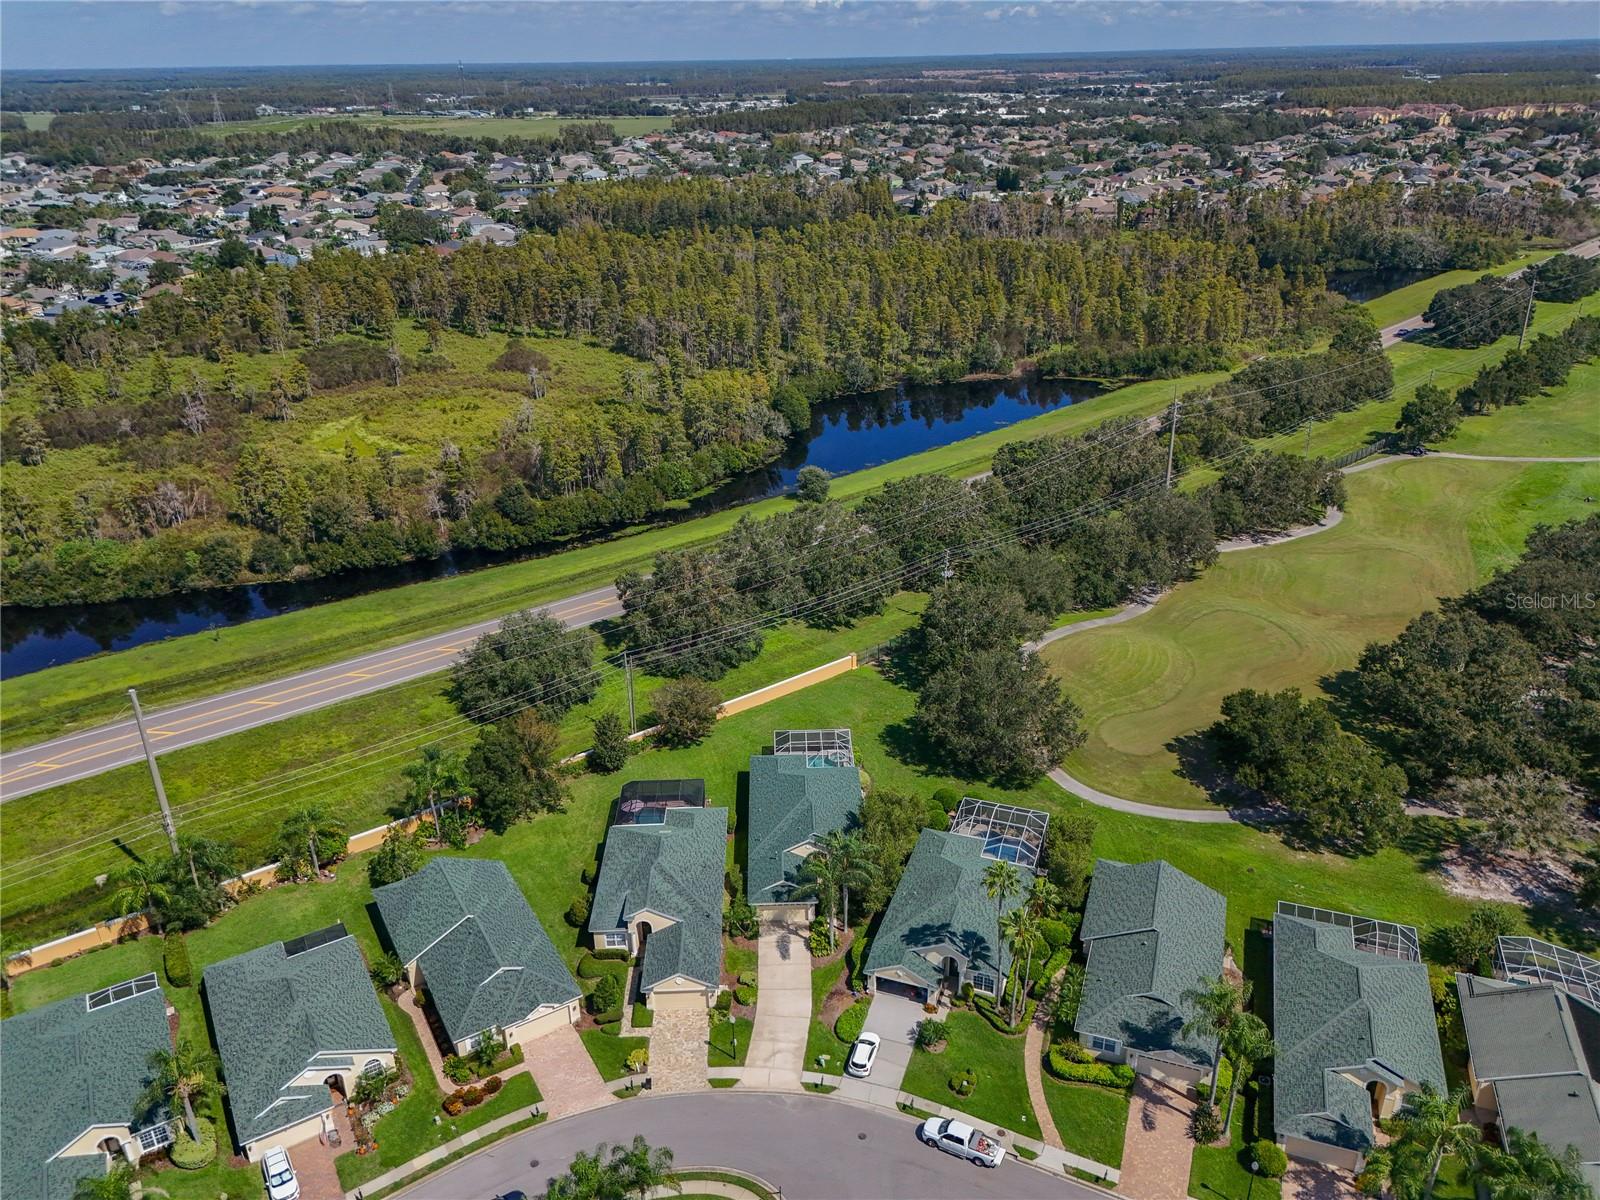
193 33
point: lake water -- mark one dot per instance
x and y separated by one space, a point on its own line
1369 283
846 435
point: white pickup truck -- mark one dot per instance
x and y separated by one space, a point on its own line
954 1137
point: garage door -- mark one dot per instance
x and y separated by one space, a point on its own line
891 987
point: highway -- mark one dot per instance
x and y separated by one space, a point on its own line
1391 333
811 1147
80 755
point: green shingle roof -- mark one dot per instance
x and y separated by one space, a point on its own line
486 961
276 1015
1540 1048
673 868
941 898
68 1069
1339 1008
1152 933
791 803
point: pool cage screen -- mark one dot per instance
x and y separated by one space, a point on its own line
1368 933
1533 960
1010 834
821 747
645 801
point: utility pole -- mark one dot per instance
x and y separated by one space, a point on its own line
627 667
1172 434
155 771
1309 423
1527 314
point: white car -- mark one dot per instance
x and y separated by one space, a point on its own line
962 1140
862 1055
278 1171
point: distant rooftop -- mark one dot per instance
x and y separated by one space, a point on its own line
1009 834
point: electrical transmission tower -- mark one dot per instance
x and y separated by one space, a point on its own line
216 109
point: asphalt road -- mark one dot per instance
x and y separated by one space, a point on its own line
811 1147
1391 334
92 751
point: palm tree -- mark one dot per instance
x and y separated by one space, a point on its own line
1430 1127
1246 1042
183 1074
613 1171
1044 898
311 829
140 888
115 1184
1003 883
1530 1170
1217 1006
1020 927
439 776
206 856
857 868
821 876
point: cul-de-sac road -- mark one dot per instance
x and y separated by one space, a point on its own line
80 755
811 1147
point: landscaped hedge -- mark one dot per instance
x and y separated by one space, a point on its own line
596 964
1273 1158
175 961
1071 1062
610 954
1058 933
850 1023
856 958
190 1155
1053 964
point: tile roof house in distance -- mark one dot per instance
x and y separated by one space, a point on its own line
77 1072
1151 934
659 894
472 945
808 787
296 1023
1354 1025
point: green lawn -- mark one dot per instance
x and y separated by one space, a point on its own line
1001 1095
1223 1172
1413 299
1092 1121
610 1051
1291 614
821 1040
50 890
729 1044
1563 421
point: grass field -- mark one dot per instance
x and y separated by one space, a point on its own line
1563 421
1092 1121
348 758
1288 615
539 128
1413 299
995 1058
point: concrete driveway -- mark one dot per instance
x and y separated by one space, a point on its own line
783 1006
895 1020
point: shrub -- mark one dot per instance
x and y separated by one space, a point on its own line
590 967
609 753
1205 1126
175 960
398 858
817 940
948 799
964 1083
746 996
588 874
931 1032
492 1085
1057 934
387 970
856 958
811 485
739 920
453 1104
937 818
607 994
578 911
1224 1077
638 1061
850 1023
457 1069
748 978
686 709
472 1097
611 954
190 1155
1073 1063
1272 1157
724 1001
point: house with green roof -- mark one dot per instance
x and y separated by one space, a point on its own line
1355 1031
1534 1062
941 930
796 798
472 945
77 1075
296 1024
659 894
1151 934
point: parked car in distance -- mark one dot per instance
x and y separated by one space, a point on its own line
862 1055
278 1171
516 1194
962 1140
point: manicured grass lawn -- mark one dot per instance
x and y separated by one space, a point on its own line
821 1040
1562 421
610 1052
729 1043
1091 1120
737 959
327 756
1223 1172
1292 614
1415 298
1001 1095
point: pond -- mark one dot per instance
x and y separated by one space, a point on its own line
848 434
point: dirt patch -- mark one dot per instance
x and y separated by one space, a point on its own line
1508 878
835 1002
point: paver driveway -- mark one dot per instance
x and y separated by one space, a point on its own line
678 1050
783 1009
1156 1148
567 1077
